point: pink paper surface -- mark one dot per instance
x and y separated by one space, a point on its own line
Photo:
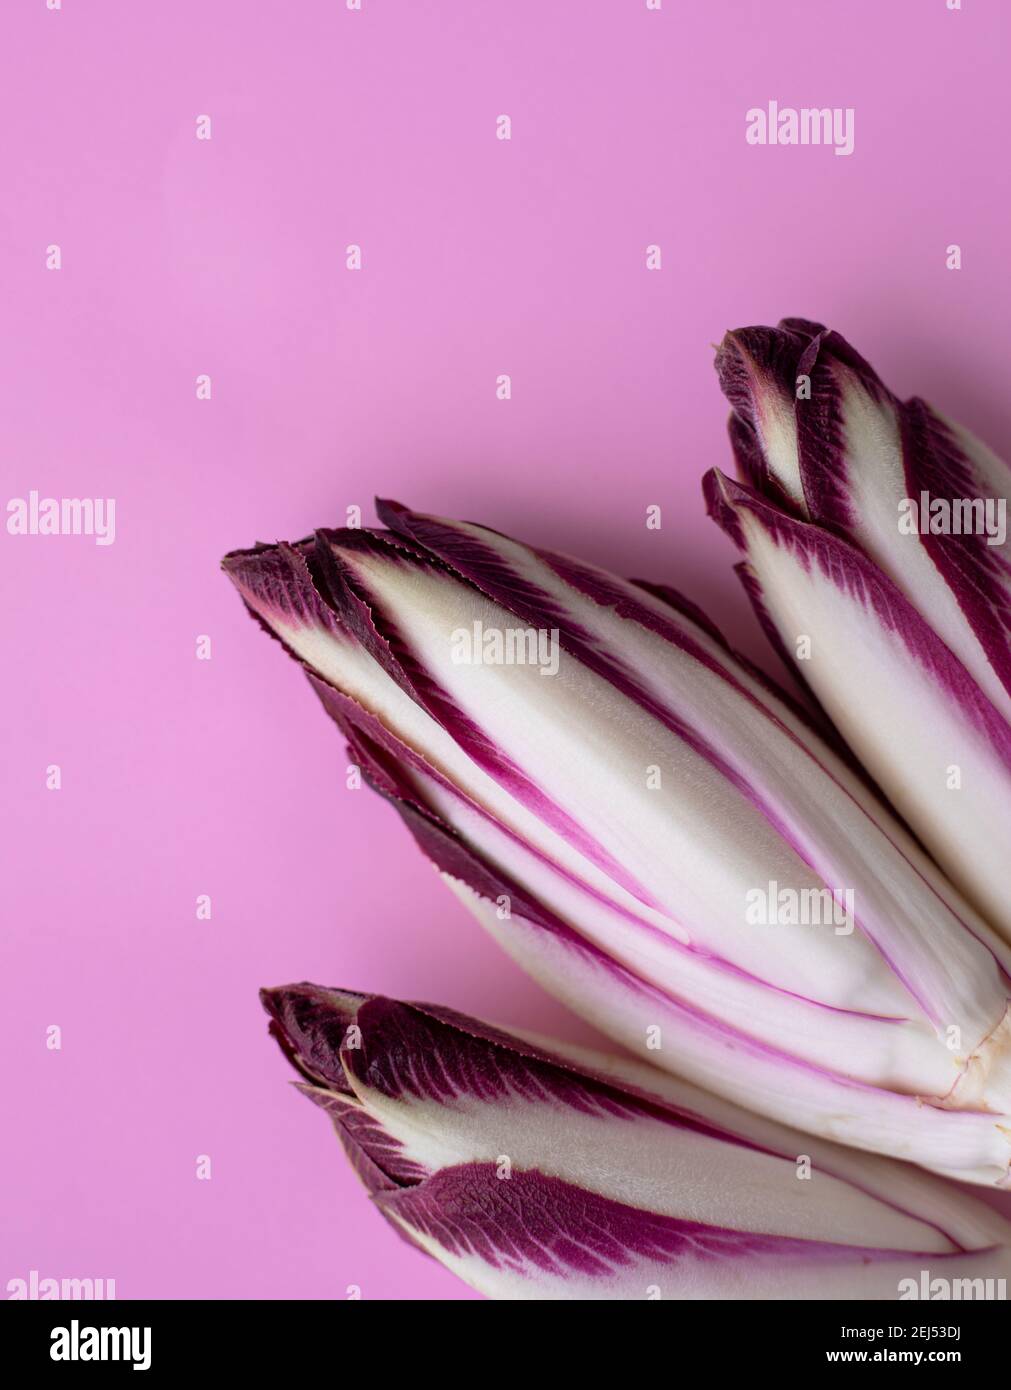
480 257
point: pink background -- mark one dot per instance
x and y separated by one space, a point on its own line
481 257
